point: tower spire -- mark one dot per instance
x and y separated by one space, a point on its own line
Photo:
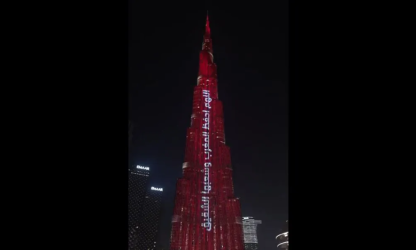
207 44
207 29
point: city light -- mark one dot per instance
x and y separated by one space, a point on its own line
284 234
156 189
286 242
143 168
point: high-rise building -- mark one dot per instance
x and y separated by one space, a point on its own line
133 238
150 219
283 238
206 215
138 180
250 233
145 205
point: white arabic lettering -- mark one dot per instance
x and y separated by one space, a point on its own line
207 164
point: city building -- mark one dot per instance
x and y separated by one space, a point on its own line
138 181
283 238
250 233
133 238
206 215
150 219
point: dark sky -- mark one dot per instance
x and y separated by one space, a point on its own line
251 52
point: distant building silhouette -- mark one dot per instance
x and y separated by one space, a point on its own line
144 210
138 179
250 233
148 230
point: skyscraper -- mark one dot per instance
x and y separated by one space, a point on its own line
145 205
283 238
250 233
133 238
207 215
150 219
138 179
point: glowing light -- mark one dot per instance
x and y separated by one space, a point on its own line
143 168
284 234
286 242
156 189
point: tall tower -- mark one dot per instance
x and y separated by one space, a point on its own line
206 216
250 233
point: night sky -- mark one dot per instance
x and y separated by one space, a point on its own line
251 53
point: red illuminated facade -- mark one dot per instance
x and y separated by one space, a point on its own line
206 216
